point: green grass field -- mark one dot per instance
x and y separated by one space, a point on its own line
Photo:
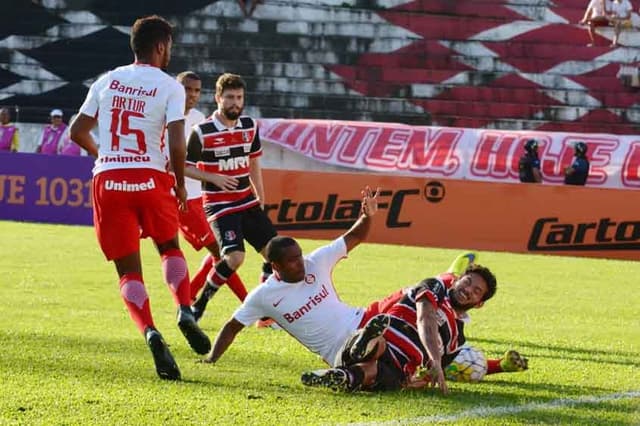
69 354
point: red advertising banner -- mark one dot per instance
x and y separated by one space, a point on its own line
454 153
565 220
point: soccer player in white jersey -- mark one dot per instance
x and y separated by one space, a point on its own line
132 187
301 300
193 222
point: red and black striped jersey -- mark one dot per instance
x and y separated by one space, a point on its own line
402 336
216 149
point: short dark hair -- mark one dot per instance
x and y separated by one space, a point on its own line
190 75
229 81
275 247
147 32
487 275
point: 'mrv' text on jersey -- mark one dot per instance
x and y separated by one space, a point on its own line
233 163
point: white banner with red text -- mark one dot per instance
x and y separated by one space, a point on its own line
454 153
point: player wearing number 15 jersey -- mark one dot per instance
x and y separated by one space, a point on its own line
132 187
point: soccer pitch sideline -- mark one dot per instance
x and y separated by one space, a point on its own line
71 355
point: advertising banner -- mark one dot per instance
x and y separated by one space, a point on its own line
454 153
46 188
417 211
525 218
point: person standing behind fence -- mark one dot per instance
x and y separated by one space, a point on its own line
9 138
578 172
132 187
52 134
529 164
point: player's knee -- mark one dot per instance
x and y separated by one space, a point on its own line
172 244
234 259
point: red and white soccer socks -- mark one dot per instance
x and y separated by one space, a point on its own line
136 300
176 275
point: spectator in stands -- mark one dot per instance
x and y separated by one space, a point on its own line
529 165
595 16
9 138
629 75
578 172
52 134
620 17
67 145
249 6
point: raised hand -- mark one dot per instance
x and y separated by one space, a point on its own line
369 201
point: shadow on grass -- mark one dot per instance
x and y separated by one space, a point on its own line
124 359
111 360
560 352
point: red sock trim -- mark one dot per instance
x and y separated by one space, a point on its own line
172 252
141 316
181 291
493 366
237 286
130 276
200 277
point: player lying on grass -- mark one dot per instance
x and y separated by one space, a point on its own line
418 332
300 296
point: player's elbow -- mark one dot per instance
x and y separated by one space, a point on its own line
75 133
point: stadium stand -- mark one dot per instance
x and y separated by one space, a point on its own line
508 64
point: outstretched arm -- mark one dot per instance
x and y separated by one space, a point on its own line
360 229
427 324
224 339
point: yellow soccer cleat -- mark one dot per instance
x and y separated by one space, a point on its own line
461 262
513 361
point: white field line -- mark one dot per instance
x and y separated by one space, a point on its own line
482 412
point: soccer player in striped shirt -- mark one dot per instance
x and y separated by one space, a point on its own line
193 222
228 143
